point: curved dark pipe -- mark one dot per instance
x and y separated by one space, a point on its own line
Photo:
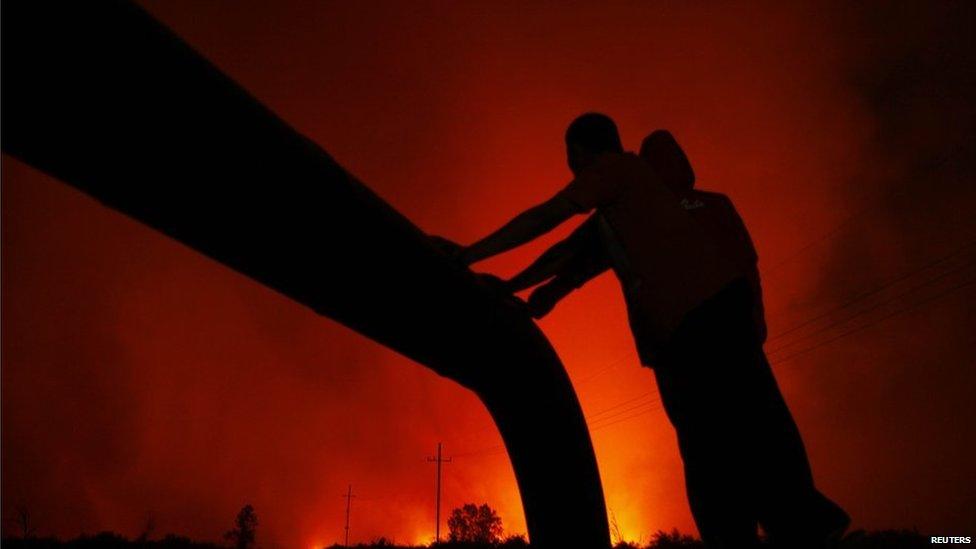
101 96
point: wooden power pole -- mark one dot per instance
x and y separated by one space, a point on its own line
349 495
437 505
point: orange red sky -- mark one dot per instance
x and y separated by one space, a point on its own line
140 378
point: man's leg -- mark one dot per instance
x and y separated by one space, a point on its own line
792 511
700 386
744 458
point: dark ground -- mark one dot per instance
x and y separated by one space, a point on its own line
893 539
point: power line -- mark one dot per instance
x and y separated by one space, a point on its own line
627 418
869 293
610 366
836 230
912 307
873 307
628 409
641 396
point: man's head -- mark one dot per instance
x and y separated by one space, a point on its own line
589 136
665 156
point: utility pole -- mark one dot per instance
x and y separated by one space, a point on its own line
437 512
348 495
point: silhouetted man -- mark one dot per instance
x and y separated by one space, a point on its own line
575 260
691 300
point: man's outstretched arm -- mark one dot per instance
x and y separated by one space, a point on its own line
583 241
588 262
525 227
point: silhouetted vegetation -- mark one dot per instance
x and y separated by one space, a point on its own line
108 540
148 529
243 534
674 540
471 523
885 539
23 522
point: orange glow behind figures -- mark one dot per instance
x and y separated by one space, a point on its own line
140 378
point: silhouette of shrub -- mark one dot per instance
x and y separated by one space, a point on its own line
245 528
515 541
474 524
674 540
102 540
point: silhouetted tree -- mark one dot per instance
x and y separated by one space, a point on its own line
473 524
148 528
245 527
22 519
